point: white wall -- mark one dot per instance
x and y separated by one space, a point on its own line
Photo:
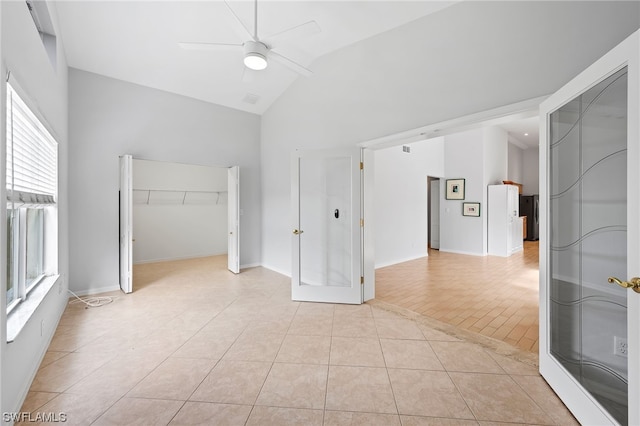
515 164
463 157
464 59
401 199
109 118
190 222
44 89
531 172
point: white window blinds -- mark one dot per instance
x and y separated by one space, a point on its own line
32 155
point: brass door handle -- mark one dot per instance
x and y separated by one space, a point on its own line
633 284
297 232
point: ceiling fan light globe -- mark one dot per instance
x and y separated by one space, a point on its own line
255 61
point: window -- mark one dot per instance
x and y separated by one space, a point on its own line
32 177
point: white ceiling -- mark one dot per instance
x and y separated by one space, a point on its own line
524 133
137 41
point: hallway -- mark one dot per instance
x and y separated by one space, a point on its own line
494 296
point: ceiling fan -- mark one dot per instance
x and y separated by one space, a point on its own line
258 51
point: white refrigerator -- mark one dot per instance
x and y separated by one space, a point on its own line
504 222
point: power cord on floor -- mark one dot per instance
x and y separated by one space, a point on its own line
92 301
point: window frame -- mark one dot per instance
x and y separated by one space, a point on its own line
18 204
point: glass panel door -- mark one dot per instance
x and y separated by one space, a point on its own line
588 240
326 234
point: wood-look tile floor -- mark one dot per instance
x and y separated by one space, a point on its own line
494 296
196 344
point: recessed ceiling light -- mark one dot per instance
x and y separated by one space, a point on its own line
526 134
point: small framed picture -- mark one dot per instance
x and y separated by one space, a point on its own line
471 209
455 189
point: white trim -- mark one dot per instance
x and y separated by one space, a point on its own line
249 265
91 291
468 253
492 117
574 396
398 261
169 259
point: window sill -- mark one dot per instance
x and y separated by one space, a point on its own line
20 315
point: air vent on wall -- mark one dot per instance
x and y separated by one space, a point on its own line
406 148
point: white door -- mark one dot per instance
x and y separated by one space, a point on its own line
589 231
326 209
435 214
126 214
233 219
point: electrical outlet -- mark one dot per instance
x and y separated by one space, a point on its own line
620 347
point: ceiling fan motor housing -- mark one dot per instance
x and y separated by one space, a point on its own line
255 55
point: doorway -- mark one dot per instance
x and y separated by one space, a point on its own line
177 212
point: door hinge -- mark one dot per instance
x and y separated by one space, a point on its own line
361 165
362 280
361 222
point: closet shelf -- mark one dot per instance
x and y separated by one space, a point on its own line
176 197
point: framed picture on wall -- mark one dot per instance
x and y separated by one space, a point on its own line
471 209
455 189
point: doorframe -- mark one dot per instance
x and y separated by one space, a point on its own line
128 204
622 56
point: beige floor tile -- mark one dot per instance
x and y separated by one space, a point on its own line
349 327
118 376
493 397
294 386
35 400
311 325
346 418
233 382
219 315
139 411
435 421
543 395
427 393
352 311
255 347
273 416
268 326
315 309
193 319
463 356
51 356
436 335
514 367
176 378
208 413
63 373
80 409
400 328
412 354
305 349
363 352
206 345
364 389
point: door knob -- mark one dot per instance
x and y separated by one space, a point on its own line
297 232
633 284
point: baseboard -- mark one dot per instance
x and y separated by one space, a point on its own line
250 265
462 252
278 270
395 262
169 259
96 290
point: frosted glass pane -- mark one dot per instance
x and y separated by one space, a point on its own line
588 239
325 219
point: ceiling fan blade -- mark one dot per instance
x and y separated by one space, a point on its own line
238 26
290 64
300 31
209 46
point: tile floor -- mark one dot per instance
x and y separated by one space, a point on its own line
490 295
194 344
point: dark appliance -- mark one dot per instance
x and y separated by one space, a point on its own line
529 207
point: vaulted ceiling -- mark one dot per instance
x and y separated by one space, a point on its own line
137 41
